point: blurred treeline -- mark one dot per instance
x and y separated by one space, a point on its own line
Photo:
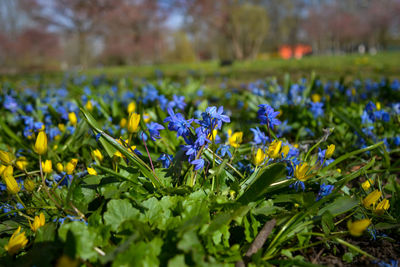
65 34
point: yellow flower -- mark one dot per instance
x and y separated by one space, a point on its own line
146 117
133 122
21 163
285 151
97 155
2 168
372 198
131 107
302 172
71 166
41 143
367 184
47 166
235 139
382 206
7 171
59 167
358 227
378 106
122 123
72 118
329 151
259 158
353 91
17 242
89 105
91 171
315 98
296 145
29 185
213 136
61 126
37 222
6 157
339 170
274 148
12 185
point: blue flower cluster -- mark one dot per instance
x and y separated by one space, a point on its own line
198 138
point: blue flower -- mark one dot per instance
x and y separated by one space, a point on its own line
201 137
267 116
166 160
178 123
324 191
213 118
198 164
154 129
224 150
317 109
150 93
259 136
178 102
10 103
163 101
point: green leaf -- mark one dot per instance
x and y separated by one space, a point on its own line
80 239
118 211
259 187
327 222
140 254
339 206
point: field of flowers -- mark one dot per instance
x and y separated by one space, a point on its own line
126 172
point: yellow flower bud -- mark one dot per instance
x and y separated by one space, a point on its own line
274 148
259 158
6 157
378 106
285 151
71 166
61 126
8 171
91 171
60 167
367 184
133 122
329 151
47 166
236 139
382 207
315 98
214 135
17 242
358 227
89 105
131 107
21 163
372 198
41 143
38 222
72 118
2 168
122 123
339 170
97 155
29 185
11 183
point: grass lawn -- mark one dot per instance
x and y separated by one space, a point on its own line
329 67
